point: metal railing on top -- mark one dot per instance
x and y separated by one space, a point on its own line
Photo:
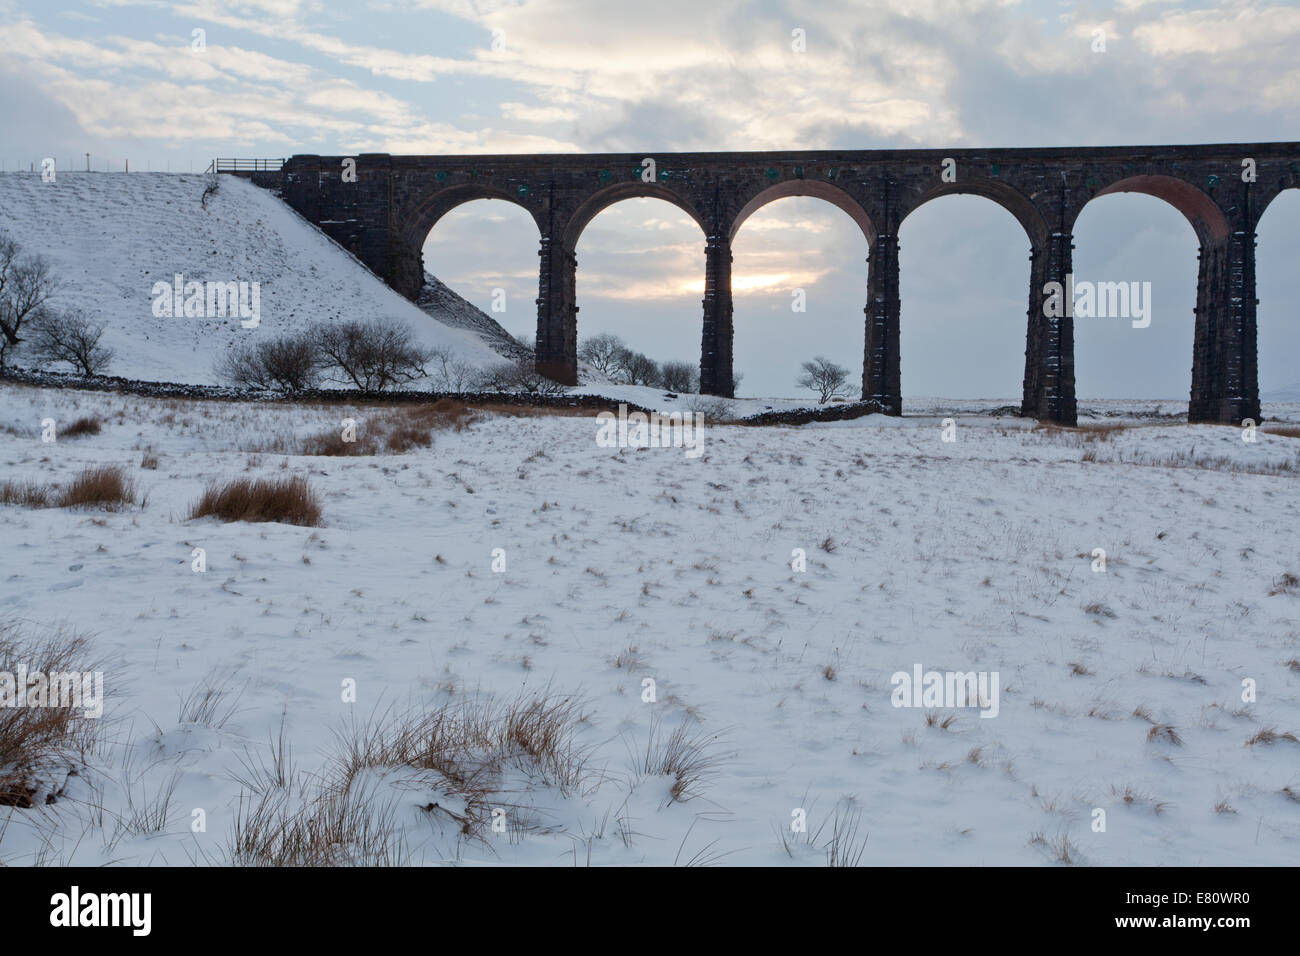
245 166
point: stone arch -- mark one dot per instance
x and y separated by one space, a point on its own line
1008 197
602 199
1035 229
815 188
418 223
1197 207
1277 288
1259 215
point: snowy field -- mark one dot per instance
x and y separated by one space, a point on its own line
1119 690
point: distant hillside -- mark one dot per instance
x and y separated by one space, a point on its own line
111 236
1289 393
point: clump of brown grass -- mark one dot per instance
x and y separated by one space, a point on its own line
1081 434
351 826
41 746
407 436
1164 733
25 494
1287 583
395 430
1286 431
331 443
687 755
934 719
445 413
1269 735
288 500
481 753
86 425
106 486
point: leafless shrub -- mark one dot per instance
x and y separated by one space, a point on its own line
679 376
713 408
60 336
604 353
449 374
516 376
288 500
371 356
824 377
26 286
638 369
289 364
212 187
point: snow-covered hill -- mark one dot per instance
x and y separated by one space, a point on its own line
111 237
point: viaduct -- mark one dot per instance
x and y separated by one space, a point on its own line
382 208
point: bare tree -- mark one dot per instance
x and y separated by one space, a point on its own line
26 285
450 373
64 337
824 377
517 376
639 369
604 353
678 376
373 355
289 364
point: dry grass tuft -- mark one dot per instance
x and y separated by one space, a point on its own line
107 486
472 756
407 436
87 425
1164 733
40 747
352 826
331 443
478 751
25 494
1269 735
934 719
1287 583
1286 431
686 755
395 430
288 500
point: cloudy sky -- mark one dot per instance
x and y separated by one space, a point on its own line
122 79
